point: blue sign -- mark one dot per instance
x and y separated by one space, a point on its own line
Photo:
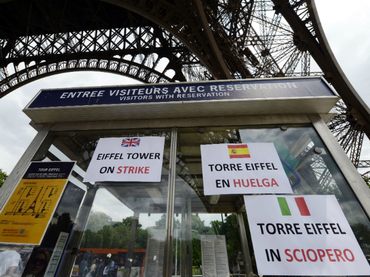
183 92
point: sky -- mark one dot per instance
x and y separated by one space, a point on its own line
347 28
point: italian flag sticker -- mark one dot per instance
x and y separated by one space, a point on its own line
301 204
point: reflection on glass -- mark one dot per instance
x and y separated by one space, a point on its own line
201 220
125 231
124 228
33 261
37 264
13 258
47 256
318 173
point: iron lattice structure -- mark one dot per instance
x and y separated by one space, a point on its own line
156 41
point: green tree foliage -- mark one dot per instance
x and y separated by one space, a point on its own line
98 220
230 228
102 232
141 239
3 177
362 233
198 228
367 180
63 224
161 223
231 231
198 225
107 236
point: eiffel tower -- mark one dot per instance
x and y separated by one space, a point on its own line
33 204
174 40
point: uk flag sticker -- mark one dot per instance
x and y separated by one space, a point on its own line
130 142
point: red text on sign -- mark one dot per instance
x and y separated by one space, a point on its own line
319 255
255 183
133 170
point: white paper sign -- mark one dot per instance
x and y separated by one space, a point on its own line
136 159
243 169
303 235
214 256
57 254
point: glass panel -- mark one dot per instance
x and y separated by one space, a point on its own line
34 260
312 169
202 223
119 225
124 234
125 230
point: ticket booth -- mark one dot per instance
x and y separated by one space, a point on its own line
170 227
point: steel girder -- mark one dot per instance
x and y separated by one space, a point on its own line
353 118
152 41
166 41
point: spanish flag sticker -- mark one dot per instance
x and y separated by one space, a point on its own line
238 151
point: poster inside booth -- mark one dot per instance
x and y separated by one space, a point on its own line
303 235
29 209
